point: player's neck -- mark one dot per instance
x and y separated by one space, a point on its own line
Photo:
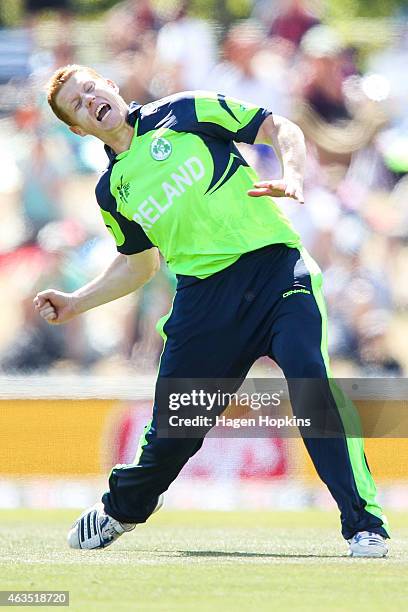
121 140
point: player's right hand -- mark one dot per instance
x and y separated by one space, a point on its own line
55 307
281 188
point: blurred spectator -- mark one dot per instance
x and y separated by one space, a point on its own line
294 20
360 301
128 22
250 69
41 187
186 53
337 125
36 347
130 31
323 74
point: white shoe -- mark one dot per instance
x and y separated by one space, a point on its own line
367 544
96 529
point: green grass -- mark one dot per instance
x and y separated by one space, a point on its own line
206 561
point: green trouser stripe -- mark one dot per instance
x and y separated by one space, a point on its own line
142 443
351 422
160 328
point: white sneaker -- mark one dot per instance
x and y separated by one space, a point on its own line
367 544
96 529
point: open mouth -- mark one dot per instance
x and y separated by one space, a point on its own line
102 111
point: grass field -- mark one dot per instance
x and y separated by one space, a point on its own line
206 561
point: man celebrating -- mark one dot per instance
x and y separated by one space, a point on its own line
176 183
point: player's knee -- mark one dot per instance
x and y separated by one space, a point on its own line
163 449
305 365
313 368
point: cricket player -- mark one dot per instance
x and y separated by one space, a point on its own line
177 184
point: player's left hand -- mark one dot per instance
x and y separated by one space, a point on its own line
280 188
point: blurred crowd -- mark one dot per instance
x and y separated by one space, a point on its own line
351 102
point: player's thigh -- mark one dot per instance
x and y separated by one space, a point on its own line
296 344
205 351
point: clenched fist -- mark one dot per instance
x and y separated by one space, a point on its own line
55 307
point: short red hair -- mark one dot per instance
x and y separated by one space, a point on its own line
58 79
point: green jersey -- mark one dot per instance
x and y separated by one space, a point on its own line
182 185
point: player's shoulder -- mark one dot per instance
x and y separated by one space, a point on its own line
179 98
176 111
179 101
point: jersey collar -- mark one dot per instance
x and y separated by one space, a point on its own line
133 113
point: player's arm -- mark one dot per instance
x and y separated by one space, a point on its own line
125 274
227 118
289 144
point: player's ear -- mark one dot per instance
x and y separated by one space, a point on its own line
113 85
77 130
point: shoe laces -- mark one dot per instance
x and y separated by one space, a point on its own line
368 535
108 530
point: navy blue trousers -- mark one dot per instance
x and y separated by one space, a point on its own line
268 303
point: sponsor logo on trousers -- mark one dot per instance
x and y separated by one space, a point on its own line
292 291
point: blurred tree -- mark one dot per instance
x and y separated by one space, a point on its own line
10 12
348 9
87 7
222 11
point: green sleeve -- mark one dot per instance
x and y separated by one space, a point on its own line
228 118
